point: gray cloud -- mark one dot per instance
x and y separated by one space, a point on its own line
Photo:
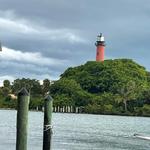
66 30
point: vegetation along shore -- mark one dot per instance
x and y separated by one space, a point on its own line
116 87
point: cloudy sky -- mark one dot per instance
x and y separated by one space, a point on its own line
40 39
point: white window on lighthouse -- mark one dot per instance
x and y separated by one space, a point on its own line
102 38
98 38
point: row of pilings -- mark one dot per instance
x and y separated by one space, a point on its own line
66 109
22 120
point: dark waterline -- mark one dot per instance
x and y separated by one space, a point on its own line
78 131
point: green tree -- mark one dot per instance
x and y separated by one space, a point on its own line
146 110
32 85
69 90
6 89
128 92
6 83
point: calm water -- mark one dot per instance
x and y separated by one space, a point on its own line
78 132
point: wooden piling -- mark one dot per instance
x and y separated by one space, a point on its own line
22 119
47 129
69 110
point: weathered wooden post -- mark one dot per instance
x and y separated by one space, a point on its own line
47 130
76 109
68 109
71 109
55 109
22 119
63 109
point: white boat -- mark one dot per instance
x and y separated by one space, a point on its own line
142 137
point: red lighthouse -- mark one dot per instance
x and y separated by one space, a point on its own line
100 47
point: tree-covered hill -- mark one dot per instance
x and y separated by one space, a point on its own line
119 86
108 76
111 87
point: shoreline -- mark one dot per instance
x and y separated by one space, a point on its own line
123 115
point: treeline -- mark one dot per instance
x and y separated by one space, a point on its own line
119 86
8 92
